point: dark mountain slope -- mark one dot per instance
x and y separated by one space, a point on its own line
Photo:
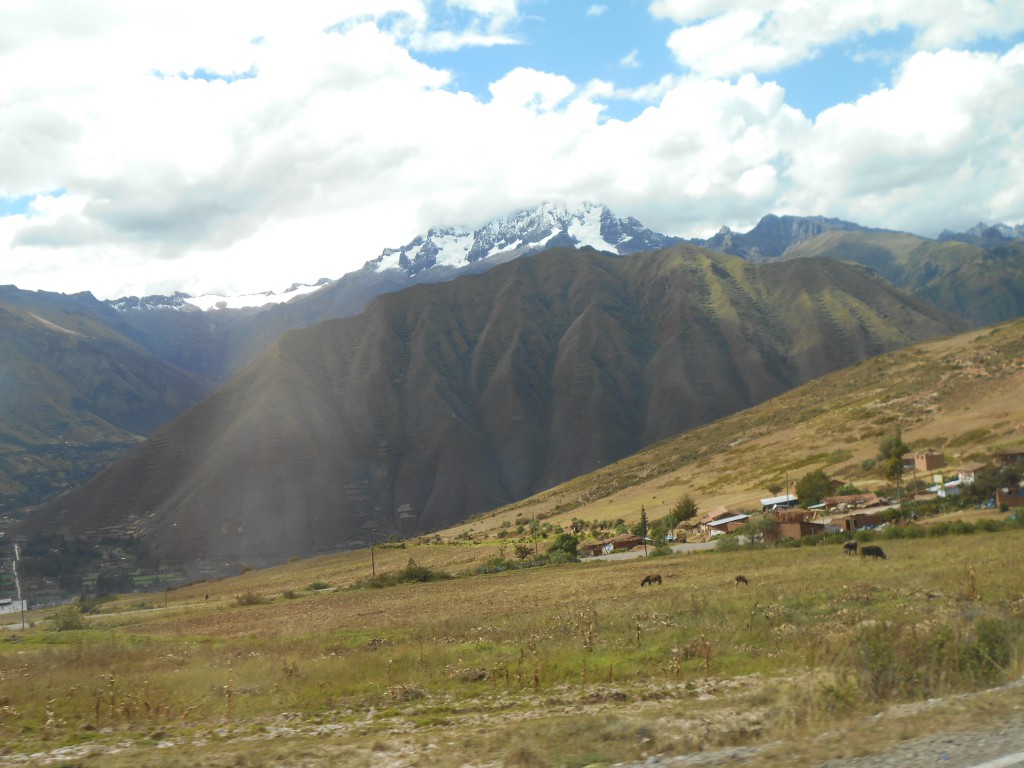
455 398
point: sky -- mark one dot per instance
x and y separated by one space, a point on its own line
226 147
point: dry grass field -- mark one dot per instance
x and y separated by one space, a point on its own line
577 664
557 665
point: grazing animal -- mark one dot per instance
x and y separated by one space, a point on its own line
850 548
872 550
741 580
652 579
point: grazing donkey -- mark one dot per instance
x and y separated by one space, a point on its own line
652 579
741 579
872 550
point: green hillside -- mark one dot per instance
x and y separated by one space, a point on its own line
984 285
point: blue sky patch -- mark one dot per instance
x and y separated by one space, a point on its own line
621 44
22 206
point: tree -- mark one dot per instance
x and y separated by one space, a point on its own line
890 460
813 487
892 447
643 527
685 509
564 542
758 526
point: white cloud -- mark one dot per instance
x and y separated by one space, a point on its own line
719 38
523 87
343 142
941 148
596 10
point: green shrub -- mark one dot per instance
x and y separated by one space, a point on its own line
727 543
250 597
68 618
316 586
561 557
564 542
413 572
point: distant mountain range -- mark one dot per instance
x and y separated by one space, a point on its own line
451 399
87 380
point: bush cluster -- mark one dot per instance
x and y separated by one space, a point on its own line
499 564
413 572
68 618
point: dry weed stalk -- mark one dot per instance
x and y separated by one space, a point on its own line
228 697
969 593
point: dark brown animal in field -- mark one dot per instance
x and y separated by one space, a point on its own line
850 548
741 580
872 550
652 579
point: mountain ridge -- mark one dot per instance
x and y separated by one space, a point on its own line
208 346
458 397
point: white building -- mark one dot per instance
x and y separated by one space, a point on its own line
9 605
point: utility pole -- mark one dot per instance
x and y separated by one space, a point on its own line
643 527
17 584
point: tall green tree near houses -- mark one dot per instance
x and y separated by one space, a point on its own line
813 487
685 509
890 460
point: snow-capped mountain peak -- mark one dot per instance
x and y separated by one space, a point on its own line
521 232
183 302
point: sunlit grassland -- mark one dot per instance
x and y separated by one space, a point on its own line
526 662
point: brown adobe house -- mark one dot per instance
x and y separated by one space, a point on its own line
717 513
793 529
621 543
589 548
856 520
923 461
1011 497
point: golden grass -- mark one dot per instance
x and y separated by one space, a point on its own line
548 666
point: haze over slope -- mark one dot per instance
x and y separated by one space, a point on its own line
452 399
74 392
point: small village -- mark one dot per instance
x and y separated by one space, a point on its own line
930 479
